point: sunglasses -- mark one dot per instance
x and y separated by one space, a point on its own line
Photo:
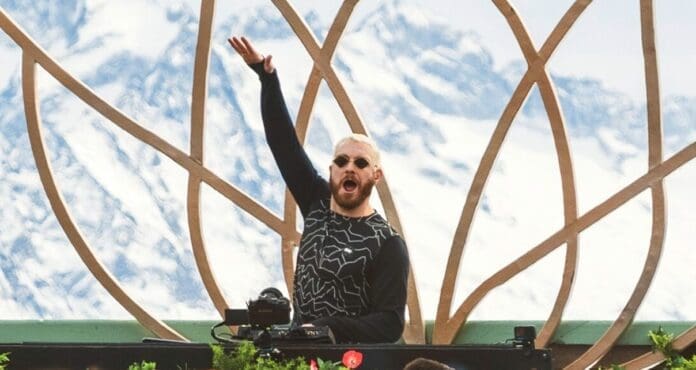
342 161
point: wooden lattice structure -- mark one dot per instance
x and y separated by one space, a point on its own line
446 324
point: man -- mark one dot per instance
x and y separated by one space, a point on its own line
352 267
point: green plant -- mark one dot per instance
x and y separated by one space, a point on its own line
613 367
244 358
326 365
238 359
663 342
145 365
4 360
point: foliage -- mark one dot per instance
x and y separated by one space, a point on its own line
320 364
145 365
245 357
663 342
613 367
235 360
4 360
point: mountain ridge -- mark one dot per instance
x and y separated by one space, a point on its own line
140 230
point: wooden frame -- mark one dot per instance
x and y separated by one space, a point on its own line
446 325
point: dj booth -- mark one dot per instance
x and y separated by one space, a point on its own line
191 356
265 322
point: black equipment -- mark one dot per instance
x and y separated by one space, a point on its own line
258 323
524 336
282 335
271 308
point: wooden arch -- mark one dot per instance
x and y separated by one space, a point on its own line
446 325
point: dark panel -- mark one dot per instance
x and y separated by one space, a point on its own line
198 356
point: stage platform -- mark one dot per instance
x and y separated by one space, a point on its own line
199 356
64 344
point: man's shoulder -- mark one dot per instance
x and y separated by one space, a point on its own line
318 208
383 226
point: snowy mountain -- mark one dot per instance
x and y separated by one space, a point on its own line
429 94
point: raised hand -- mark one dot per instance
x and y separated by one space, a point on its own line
246 50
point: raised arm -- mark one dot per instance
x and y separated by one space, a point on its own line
297 170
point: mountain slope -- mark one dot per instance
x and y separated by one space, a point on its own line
429 95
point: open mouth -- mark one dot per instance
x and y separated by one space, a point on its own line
349 185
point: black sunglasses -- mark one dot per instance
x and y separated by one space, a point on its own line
342 160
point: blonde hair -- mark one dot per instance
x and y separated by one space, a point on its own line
360 138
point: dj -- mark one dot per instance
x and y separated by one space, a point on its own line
352 267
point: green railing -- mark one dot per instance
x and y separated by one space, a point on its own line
474 332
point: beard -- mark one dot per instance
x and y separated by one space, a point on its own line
353 200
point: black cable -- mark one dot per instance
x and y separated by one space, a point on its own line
221 339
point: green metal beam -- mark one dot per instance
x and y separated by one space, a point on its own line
475 332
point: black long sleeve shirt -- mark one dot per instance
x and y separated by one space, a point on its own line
351 272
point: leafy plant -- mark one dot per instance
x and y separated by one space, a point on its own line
245 357
663 342
240 358
145 365
320 364
4 360
613 367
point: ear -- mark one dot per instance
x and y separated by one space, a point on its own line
378 175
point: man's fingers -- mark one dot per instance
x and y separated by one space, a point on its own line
237 45
246 50
232 43
249 46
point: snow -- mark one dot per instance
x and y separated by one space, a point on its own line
130 201
145 31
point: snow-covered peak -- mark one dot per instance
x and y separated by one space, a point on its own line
428 93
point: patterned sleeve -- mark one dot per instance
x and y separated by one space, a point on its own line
388 283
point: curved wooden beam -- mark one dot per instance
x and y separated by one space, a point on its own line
553 109
415 331
639 185
43 166
652 87
127 124
570 209
602 346
310 43
445 328
193 166
198 99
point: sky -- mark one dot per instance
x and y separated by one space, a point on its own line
604 44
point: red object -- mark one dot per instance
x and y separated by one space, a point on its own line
352 359
313 365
